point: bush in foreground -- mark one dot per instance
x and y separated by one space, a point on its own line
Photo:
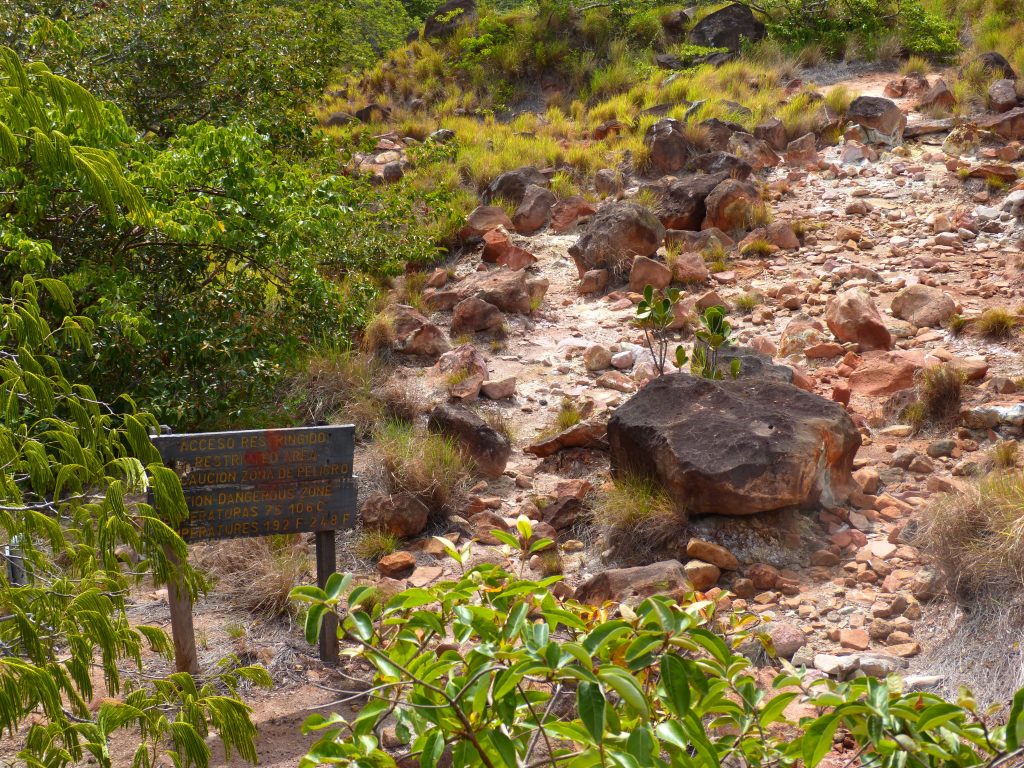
490 670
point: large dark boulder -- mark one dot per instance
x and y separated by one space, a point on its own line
735 447
669 146
995 64
449 17
489 449
753 365
727 28
617 232
512 185
682 201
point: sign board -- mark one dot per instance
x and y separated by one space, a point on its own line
262 482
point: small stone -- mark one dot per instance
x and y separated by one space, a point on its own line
712 553
597 357
702 575
854 639
397 564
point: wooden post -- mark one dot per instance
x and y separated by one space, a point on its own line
326 564
182 631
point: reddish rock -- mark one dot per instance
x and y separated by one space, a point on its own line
633 584
763 576
883 373
940 96
668 145
402 515
701 575
712 553
1009 125
534 210
594 281
802 152
483 219
396 565
567 212
469 365
1002 95
690 268
923 305
853 316
824 558
728 205
617 231
648 272
854 639
413 334
473 315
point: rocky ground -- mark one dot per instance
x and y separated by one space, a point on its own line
893 243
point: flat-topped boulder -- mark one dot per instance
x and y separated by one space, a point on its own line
735 447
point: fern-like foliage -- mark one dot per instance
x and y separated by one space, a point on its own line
73 471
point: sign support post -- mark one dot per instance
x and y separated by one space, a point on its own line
326 564
182 632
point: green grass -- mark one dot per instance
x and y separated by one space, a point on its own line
568 415
637 518
373 544
745 303
915 65
758 248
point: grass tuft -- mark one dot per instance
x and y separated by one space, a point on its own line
915 65
374 543
637 518
428 466
977 536
941 391
997 323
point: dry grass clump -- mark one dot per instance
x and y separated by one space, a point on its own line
255 574
425 465
758 215
957 324
637 518
941 390
758 248
379 333
1004 454
330 385
977 536
996 323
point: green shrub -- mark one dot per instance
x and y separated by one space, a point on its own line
496 671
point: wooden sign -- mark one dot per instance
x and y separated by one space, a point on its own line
261 483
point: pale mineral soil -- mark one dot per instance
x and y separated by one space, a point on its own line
872 226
